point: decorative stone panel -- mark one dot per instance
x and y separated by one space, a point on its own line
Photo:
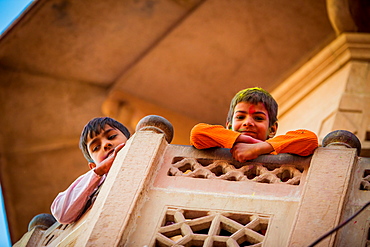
226 170
184 227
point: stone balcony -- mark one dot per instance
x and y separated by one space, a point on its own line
160 194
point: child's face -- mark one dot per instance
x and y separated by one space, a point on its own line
102 145
252 120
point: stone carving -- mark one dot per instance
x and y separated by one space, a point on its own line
222 169
182 227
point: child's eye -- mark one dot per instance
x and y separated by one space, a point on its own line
239 117
112 137
258 118
96 148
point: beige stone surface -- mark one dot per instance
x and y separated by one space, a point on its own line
31 238
88 42
276 201
324 196
346 48
150 217
356 231
336 81
310 118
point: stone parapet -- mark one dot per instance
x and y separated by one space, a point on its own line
160 194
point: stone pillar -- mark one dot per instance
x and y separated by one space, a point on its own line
326 189
331 91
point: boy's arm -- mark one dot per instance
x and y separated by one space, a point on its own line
301 142
245 151
208 136
68 205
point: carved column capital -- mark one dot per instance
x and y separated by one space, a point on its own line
349 15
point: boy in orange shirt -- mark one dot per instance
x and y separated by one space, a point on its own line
251 125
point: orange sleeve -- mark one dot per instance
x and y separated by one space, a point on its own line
208 136
300 142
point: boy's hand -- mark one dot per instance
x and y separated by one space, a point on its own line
243 151
105 165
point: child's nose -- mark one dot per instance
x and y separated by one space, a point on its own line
108 146
248 121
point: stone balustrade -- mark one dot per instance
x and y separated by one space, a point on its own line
160 194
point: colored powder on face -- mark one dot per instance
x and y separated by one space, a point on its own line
252 109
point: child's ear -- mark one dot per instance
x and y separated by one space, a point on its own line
92 165
229 125
272 130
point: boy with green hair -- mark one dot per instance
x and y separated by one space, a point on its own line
250 127
100 141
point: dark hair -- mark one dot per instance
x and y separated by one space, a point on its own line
254 95
94 127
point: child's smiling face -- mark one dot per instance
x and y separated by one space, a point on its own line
103 145
252 120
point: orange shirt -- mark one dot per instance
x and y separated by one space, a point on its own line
300 142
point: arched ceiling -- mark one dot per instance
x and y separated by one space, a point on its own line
188 56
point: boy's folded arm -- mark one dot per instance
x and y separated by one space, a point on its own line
300 142
207 136
68 205
247 139
247 151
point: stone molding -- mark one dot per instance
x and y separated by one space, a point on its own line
347 47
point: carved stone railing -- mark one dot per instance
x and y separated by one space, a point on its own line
158 194
223 169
